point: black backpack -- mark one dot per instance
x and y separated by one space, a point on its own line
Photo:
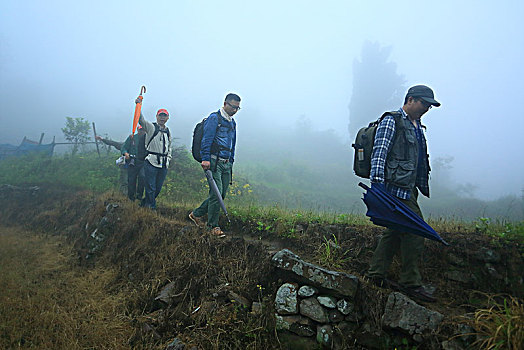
364 145
198 133
141 152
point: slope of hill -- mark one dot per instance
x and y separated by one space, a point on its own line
213 283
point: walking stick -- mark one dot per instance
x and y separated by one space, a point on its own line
96 141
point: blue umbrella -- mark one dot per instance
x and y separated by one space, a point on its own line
386 210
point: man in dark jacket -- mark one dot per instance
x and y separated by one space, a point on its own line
122 169
134 151
400 161
218 154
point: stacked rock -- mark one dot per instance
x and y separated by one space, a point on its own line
306 312
318 304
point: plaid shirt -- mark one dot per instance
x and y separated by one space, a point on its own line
383 140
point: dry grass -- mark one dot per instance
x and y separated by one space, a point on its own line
47 302
143 252
500 325
151 249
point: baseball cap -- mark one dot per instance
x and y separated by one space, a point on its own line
423 92
162 110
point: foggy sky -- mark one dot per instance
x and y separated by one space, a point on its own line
286 59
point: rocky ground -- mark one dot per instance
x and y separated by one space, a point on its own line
183 288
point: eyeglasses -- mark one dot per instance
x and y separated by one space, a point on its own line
236 108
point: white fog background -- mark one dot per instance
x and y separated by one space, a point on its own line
288 60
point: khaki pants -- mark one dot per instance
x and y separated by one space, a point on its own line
410 246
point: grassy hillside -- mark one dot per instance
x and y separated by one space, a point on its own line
281 181
144 251
71 295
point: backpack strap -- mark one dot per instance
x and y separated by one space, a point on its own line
157 130
399 128
395 114
158 155
215 149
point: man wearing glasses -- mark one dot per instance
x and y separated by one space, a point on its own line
218 155
158 150
400 161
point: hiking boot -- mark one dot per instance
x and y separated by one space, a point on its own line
197 220
217 232
420 293
382 282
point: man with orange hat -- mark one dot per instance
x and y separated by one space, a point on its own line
158 155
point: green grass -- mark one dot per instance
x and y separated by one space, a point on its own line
330 253
185 187
85 171
286 223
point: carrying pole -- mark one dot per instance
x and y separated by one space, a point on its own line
96 141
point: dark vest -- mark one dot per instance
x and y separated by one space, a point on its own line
141 152
402 159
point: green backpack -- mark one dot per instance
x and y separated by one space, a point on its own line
364 145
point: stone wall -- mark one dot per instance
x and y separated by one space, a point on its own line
320 305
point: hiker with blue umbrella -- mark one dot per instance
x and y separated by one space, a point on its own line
399 170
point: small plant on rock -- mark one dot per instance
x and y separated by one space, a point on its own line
330 253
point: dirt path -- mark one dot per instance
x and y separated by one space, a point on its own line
48 302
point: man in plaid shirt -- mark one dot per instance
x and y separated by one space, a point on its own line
400 162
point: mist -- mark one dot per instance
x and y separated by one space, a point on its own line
294 65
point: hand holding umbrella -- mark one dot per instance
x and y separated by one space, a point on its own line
138 109
386 210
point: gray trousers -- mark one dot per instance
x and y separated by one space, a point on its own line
122 180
